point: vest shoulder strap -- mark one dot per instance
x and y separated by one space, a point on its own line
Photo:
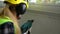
4 20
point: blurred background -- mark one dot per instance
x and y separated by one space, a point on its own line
46 16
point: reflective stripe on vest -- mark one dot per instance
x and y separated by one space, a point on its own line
5 20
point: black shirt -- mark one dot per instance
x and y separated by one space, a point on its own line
7 28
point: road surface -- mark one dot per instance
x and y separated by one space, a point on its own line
44 22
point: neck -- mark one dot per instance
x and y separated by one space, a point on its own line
14 14
10 14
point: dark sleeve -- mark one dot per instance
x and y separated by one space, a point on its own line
8 28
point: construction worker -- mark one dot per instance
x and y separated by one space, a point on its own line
9 17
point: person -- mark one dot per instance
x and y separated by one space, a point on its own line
9 17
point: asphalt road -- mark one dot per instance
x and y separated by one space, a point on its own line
44 22
47 19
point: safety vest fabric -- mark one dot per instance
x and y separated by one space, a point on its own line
5 20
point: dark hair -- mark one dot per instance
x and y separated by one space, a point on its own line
6 2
